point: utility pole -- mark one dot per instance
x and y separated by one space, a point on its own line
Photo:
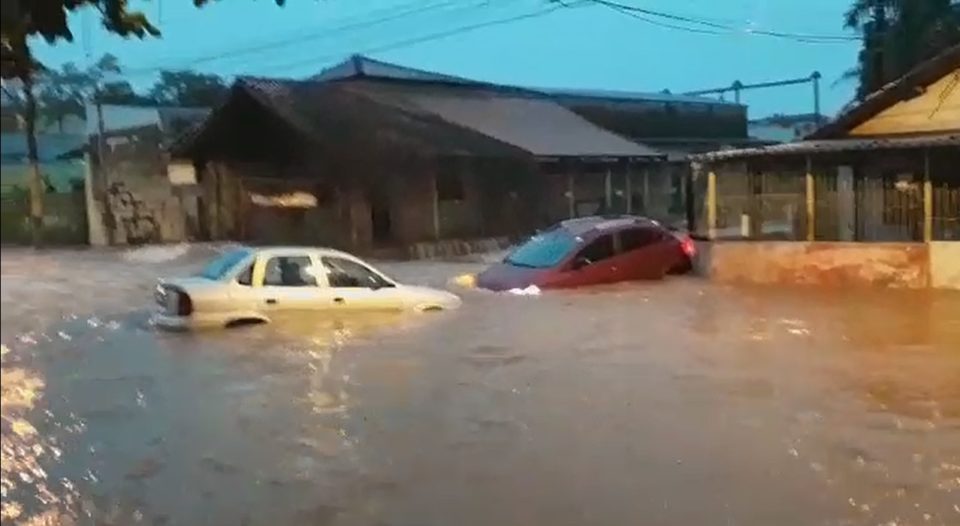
101 188
37 188
815 79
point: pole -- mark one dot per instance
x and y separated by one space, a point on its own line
815 79
811 202
36 179
927 198
102 186
571 197
436 206
712 205
628 184
608 191
737 87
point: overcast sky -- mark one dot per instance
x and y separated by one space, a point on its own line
586 46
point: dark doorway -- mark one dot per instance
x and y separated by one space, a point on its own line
380 217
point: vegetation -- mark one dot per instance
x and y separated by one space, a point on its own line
898 35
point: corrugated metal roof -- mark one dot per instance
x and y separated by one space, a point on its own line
338 114
540 127
836 145
359 66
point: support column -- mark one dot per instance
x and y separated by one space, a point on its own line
628 188
435 198
571 196
608 191
646 192
712 205
927 199
811 203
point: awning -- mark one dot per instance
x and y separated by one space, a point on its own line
834 146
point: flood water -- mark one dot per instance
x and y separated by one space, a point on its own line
673 403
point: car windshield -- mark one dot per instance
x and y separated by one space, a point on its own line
217 268
543 250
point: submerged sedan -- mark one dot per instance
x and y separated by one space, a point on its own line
248 285
591 251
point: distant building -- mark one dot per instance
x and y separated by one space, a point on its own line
137 194
783 128
393 156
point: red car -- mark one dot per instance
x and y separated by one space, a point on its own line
590 251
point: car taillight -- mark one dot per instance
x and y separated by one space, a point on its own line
688 247
184 304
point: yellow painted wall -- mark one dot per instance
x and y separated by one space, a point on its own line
920 114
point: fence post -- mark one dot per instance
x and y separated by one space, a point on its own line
811 203
608 191
927 199
712 204
571 197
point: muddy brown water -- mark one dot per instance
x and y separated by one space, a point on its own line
672 403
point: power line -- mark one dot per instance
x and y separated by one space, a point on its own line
636 12
431 37
314 34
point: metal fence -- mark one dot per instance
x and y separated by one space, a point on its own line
881 199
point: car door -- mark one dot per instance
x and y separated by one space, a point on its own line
643 253
592 264
356 286
290 281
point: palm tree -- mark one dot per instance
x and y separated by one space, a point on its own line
898 35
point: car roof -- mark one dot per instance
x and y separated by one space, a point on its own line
322 251
582 226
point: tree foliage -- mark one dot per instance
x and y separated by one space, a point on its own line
188 88
898 35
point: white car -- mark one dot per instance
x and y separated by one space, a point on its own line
248 285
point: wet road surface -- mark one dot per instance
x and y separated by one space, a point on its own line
673 403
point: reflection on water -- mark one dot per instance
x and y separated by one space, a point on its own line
667 403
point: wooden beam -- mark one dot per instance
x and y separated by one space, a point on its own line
646 192
927 199
811 202
608 190
435 202
628 188
712 204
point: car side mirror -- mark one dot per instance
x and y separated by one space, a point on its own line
375 284
580 263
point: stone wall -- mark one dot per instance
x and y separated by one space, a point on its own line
895 265
131 194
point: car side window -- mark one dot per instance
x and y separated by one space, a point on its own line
245 278
635 238
598 249
345 273
289 271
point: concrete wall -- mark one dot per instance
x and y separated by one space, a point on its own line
897 265
945 265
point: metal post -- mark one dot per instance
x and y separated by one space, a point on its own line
571 196
712 205
927 199
815 78
102 185
737 87
811 203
